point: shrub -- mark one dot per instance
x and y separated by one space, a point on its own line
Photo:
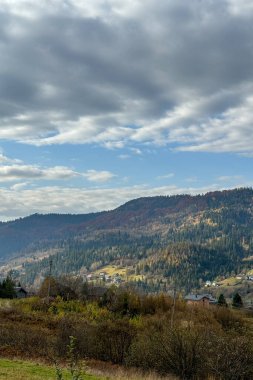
179 351
230 358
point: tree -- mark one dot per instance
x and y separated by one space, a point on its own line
237 300
74 367
222 301
49 288
7 288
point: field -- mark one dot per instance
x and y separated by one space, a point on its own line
23 370
26 370
124 272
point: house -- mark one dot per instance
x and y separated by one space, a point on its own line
96 293
20 292
200 299
102 275
117 279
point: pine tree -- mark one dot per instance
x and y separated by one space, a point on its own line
237 300
222 301
7 288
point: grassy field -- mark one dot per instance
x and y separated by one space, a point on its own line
22 370
112 270
230 281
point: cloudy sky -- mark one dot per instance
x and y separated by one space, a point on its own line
102 101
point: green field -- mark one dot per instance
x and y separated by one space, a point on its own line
22 370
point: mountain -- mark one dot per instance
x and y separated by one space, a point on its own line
158 240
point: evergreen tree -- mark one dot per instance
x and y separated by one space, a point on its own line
237 300
7 288
222 301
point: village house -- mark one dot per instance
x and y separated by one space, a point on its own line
204 300
20 292
96 293
102 275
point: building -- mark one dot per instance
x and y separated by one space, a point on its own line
200 300
20 292
96 293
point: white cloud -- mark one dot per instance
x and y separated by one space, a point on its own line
191 179
229 178
166 176
242 7
98 176
19 186
7 160
124 156
14 172
13 169
136 151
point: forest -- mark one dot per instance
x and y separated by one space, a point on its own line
161 241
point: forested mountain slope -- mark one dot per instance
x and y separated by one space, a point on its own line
178 238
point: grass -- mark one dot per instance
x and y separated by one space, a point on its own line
111 270
23 370
230 281
117 372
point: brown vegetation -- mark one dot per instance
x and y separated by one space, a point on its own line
126 329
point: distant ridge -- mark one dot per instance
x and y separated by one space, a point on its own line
203 236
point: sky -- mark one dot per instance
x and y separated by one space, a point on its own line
103 101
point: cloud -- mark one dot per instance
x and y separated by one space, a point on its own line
19 186
7 160
191 179
245 7
166 176
15 172
13 169
98 176
229 178
136 151
174 73
124 156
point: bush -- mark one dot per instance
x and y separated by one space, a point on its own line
179 351
229 320
230 358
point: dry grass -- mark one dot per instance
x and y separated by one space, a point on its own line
116 372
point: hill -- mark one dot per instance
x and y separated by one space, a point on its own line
157 240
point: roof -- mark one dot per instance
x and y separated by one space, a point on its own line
96 291
199 297
19 289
